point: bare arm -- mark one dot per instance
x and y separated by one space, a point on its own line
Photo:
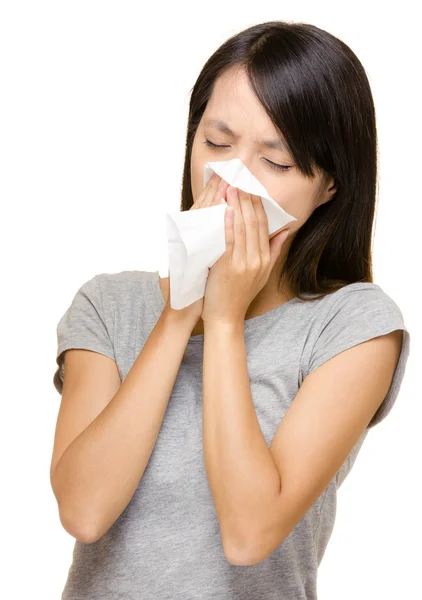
98 473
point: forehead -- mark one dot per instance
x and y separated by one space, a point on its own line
232 87
233 107
234 110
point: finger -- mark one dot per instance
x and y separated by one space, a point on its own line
253 252
219 193
264 246
229 231
213 181
275 245
208 193
239 242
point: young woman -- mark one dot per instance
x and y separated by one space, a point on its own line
198 452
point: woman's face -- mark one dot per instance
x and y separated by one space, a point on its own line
233 103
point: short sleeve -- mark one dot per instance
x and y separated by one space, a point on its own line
359 313
82 326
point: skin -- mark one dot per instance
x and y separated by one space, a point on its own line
234 102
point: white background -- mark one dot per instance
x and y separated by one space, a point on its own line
93 112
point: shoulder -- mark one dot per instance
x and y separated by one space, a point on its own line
119 289
124 280
115 295
353 314
364 301
364 290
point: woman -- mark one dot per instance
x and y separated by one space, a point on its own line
198 452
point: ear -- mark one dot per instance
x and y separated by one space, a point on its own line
330 190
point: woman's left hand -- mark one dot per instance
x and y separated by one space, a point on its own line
243 270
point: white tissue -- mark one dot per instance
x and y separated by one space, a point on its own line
196 238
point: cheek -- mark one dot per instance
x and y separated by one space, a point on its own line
196 171
297 203
196 179
199 157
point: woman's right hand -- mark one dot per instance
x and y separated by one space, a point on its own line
212 194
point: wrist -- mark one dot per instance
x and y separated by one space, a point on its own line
180 316
231 326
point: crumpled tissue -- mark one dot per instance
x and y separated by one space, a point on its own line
196 238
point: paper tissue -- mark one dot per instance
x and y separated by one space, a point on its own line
196 238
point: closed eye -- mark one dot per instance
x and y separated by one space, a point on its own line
269 162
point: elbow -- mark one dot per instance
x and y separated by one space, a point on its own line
82 533
236 559
242 557
242 552
75 526
253 549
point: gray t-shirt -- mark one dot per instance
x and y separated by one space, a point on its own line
166 544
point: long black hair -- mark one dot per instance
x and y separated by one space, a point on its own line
317 94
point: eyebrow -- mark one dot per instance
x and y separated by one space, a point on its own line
277 144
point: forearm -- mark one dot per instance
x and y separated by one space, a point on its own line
242 475
100 471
